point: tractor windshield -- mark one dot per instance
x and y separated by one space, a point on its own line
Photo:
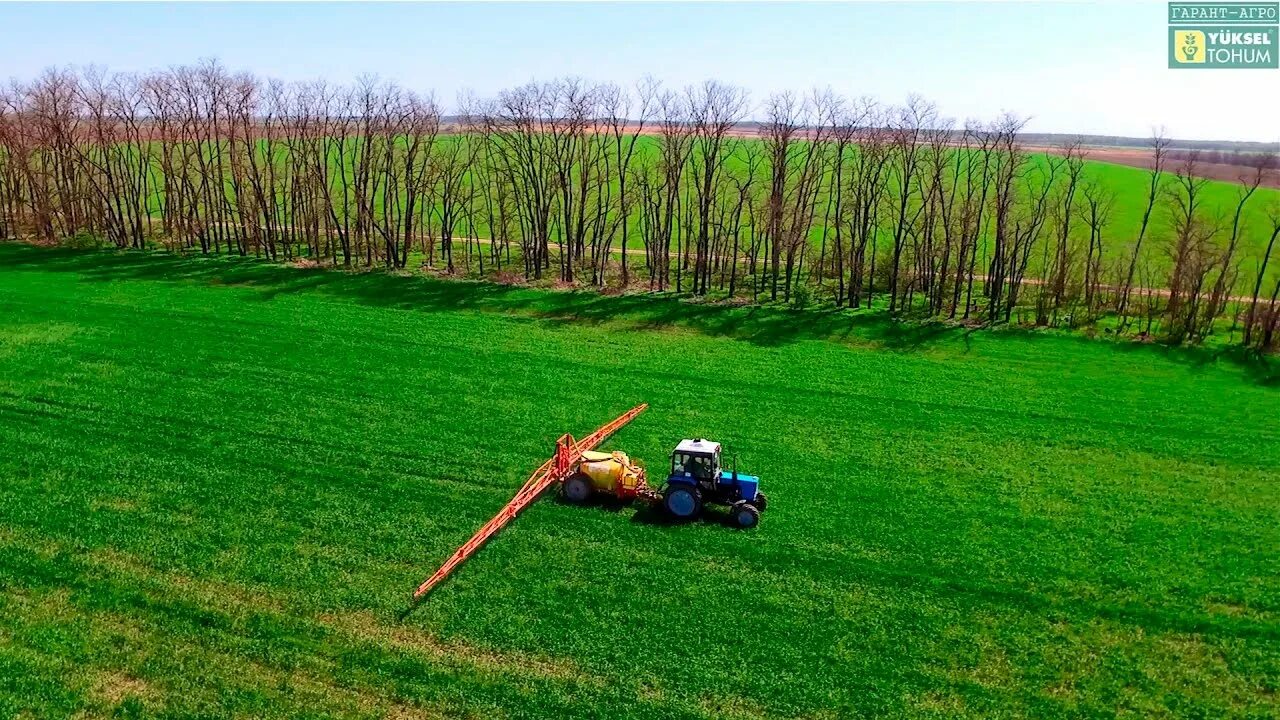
699 465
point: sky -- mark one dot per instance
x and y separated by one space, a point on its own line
1090 68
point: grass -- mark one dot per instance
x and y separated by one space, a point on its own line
222 479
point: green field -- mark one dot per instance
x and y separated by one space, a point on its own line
1131 185
221 480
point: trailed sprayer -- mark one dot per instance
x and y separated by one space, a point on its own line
694 480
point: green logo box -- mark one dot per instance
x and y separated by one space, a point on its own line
1224 13
1224 47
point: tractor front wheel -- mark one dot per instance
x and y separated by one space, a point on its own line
761 501
576 489
745 515
682 502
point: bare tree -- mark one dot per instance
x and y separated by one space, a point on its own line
625 123
1008 162
1227 272
1159 144
1058 263
715 109
1191 251
675 145
783 121
1253 316
908 129
1096 211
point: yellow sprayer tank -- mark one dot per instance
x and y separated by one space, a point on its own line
611 472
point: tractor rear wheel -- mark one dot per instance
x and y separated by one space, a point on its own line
682 502
576 489
745 515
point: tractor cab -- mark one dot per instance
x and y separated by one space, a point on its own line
696 461
697 478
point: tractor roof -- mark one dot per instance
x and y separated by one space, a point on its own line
697 445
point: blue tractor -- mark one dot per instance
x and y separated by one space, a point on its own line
696 479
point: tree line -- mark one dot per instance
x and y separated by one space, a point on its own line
826 199
1240 158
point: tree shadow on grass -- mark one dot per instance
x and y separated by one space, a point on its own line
766 326
1256 367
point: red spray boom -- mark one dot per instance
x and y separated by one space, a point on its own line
552 471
